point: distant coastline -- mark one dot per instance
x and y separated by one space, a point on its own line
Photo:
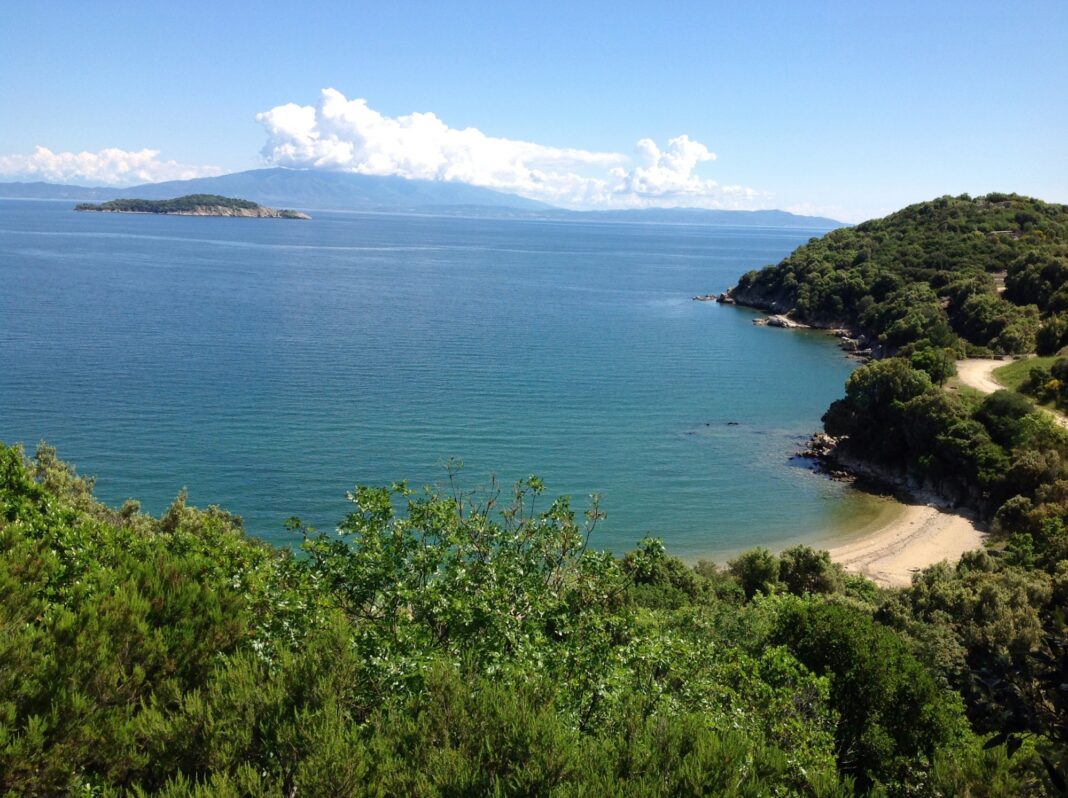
346 191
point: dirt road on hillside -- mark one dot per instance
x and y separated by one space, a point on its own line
978 373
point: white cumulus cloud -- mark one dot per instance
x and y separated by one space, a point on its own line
349 135
111 166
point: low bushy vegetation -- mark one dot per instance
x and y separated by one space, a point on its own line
1046 380
446 644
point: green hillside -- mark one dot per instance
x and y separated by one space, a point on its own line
929 275
924 281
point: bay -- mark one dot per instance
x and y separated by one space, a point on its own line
268 366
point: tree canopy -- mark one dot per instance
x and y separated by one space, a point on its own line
445 643
928 275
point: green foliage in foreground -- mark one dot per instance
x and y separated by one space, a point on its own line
443 644
925 276
189 202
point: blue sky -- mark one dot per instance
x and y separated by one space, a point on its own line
850 109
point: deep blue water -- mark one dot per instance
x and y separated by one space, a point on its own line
270 365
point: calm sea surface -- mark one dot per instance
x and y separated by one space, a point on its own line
268 366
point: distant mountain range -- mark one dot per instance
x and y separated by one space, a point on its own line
711 217
346 191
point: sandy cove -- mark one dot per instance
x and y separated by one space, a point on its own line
925 531
922 534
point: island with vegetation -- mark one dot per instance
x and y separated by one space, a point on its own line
442 642
193 205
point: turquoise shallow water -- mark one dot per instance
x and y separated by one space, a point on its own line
270 365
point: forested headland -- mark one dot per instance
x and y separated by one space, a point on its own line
442 642
975 276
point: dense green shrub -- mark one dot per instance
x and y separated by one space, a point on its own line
894 718
803 570
757 571
452 648
1052 334
440 646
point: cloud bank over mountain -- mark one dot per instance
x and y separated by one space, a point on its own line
339 134
349 135
109 166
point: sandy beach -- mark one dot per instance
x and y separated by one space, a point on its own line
921 534
924 532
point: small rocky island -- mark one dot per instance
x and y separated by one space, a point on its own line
193 205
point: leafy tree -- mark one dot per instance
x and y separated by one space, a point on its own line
757 571
1002 413
1052 334
803 570
873 410
893 715
660 580
938 364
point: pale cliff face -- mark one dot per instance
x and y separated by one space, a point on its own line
221 210
256 213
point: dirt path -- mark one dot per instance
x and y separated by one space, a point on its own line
978 373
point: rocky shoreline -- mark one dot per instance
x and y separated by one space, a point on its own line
831 457
854 342
820 449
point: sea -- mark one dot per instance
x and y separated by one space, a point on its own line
269 366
